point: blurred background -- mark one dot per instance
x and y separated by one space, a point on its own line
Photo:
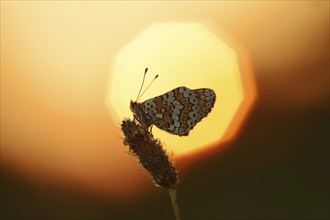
61 151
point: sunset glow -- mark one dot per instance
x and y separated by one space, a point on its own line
70 69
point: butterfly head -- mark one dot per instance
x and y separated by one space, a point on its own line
137 108
139 114
134 106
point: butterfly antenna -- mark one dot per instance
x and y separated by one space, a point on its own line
144 76
148 86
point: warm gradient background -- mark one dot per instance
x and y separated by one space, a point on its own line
58 159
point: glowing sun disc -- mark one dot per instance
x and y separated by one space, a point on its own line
183 54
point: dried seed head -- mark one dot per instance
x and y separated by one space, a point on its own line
150 153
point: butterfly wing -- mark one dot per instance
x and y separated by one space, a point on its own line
202 102
180 109
206 99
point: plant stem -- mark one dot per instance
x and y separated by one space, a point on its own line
172 192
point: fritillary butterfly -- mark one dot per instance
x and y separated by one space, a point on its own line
176 111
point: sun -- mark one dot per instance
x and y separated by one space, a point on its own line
184 54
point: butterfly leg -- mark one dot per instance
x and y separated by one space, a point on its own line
151 129
135 118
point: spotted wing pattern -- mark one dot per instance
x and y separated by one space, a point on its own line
179 110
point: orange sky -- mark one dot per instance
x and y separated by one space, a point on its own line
56 63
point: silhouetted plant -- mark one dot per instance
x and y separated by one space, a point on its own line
152 156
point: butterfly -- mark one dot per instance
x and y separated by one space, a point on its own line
176 111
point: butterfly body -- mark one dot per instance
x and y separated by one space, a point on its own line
176 111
